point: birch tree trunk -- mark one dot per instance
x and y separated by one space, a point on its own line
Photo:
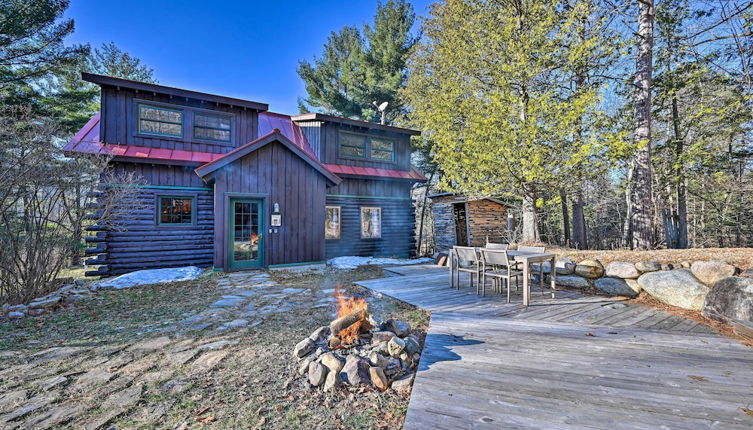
641 192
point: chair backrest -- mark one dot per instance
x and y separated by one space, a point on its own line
494 257
539 249
498 246
466 255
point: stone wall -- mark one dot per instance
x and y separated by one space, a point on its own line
719 290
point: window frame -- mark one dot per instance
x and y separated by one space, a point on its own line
360 226
194 113
367 147
158 215
141 132
339 221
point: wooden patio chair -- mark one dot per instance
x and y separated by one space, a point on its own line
467 260
502 271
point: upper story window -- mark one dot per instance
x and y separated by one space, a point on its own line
211 127
160 121
365 147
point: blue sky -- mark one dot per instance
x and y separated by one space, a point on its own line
244 49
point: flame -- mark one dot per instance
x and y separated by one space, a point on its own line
346 306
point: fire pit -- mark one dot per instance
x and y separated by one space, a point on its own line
357 350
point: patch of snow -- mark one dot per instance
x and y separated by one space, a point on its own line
151 276
353 262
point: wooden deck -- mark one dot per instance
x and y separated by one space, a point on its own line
571 362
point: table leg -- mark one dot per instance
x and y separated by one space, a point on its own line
553 277
526 284
452 269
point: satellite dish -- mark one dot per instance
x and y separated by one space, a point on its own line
382 106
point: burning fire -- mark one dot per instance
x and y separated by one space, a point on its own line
351 308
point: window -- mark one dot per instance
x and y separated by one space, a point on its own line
332 223
211 127
176 210
371 223
160 121
365 147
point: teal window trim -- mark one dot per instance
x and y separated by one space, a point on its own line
229 130
367 148
153 133
161 223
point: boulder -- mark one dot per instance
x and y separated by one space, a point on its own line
395 346
616 287
411 345
355 371
15 315
320 334
332 362
572 281
377 359
332 381
622 269
710 272
46 303
747 273
303 348
382 336
564 266
400 328
675 287
378 379
730 299
590 269
403 385
317 373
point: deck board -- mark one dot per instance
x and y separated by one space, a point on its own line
572 362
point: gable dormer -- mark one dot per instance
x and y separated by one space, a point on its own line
150 115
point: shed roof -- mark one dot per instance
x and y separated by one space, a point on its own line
171 91
461 198
355 122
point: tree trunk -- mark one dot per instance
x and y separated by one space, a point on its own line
565 217
627 228
423 213
579 223
530 222
641 195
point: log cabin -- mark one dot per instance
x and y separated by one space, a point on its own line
463 221
225 183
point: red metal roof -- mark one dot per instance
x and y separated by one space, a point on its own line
342 169
87 141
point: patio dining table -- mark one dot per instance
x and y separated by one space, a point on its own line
526 258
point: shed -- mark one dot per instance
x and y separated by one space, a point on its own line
463 221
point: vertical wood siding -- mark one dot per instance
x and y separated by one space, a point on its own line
277 175
120 124
486 218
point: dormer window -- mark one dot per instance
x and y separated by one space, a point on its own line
160 121
363 147
211 127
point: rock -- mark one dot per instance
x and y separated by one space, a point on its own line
228 302
5 309
304 366
377 359
395 346
239 323
332 362
79 282
572 281
710 272
404 384
382 336
217 345
17 308
320 334
374 321
317 373
565 266
616 287
303 348
15 315
622 269
333 381
355 371
382 348
46 303
400 328
73 298
730 299
411 345
647 266
667 266
378 379
747 274
686 264
675 287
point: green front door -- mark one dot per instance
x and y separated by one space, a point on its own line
246 234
